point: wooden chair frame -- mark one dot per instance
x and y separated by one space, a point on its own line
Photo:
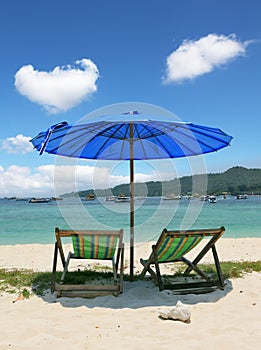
90 290
215 234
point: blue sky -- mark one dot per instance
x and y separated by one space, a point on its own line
61 60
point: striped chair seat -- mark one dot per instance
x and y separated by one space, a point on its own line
94 246
90 244
173 245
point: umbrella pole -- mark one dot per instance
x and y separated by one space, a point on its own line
131 203
131 218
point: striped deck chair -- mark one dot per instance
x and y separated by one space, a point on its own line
87 244
172 246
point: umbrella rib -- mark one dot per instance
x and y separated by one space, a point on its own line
75 138
124 138
160 143
184 146
104 144
204 134
95 136
107 139
140 140
71 140
84 143
68 142
195 129
181 144
199 141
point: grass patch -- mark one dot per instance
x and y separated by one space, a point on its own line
230 269
236 269
24 281
28 281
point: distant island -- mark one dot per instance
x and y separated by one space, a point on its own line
234 181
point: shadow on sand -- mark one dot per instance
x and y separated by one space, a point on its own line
139 294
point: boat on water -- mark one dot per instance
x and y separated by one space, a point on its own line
39 200
121 198
89 197
212 199
242 196
56 199
172 197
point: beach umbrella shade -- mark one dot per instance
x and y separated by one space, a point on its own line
130 136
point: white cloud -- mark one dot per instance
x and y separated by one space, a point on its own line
17 180
60 89
195 58
18 144
50 180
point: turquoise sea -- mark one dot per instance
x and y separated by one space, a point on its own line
22 222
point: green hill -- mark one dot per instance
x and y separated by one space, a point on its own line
236 180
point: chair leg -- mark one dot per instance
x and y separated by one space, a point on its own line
118 258
203 252
218 268
114 272
194 268
157 268
66 267
148 269
54 267
153 260
121 269
146 265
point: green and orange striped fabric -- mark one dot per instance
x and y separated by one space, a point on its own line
174 247
94 246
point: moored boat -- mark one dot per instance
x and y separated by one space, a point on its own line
172 197
57 199
212 199
89 197
121 198
39 200
242 196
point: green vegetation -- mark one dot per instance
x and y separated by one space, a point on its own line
236 180
22 281
230 269
28 281
237 269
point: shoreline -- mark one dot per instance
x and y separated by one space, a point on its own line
39 257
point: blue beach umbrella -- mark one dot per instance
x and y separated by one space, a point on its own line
130 136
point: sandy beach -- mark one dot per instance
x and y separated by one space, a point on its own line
219 319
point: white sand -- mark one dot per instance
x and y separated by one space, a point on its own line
221 319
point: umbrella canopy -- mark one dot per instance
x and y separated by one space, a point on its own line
130 136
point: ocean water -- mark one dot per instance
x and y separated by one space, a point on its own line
22 222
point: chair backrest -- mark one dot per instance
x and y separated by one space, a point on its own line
93 244
174 244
